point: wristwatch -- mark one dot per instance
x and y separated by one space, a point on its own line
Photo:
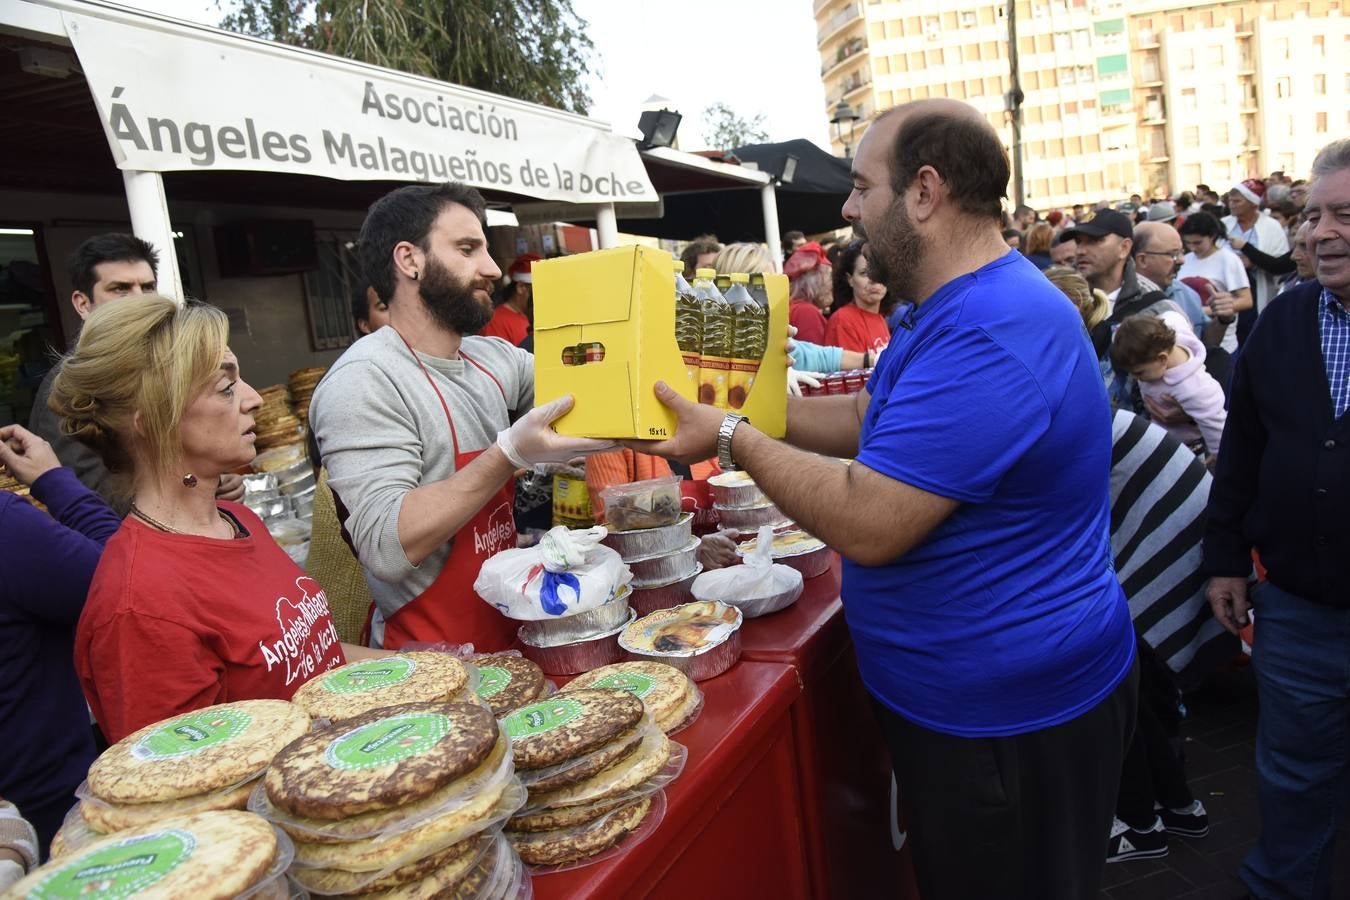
724 440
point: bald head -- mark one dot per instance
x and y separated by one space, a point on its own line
954 139
1156 251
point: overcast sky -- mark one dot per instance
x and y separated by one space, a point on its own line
757 56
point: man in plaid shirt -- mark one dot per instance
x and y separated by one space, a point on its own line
1282 488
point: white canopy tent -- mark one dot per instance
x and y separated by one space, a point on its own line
174 96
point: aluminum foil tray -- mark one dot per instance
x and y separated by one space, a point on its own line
749 518
641 543
582 626
664 596
577 657
658 570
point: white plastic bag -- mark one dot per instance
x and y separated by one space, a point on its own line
566 573
757 587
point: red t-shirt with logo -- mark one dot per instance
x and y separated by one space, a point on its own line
508 324
175 622
854 328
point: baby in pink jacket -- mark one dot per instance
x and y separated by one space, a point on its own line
1168 360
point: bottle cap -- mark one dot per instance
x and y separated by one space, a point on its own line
705 273
740 278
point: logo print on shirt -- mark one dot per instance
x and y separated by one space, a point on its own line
500 534
299 646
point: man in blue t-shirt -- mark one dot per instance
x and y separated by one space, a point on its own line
974 522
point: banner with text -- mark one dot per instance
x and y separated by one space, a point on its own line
173 100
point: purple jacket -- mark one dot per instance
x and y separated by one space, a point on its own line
46 564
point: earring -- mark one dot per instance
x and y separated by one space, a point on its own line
189 480
416 275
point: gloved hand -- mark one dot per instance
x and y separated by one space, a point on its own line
796 379
530 441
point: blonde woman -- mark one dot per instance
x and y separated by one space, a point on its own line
1093 306
192 603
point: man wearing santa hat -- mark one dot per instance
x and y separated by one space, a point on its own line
511 319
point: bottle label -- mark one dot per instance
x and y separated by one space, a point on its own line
714 372
191 734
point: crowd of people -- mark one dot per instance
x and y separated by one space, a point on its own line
1080 432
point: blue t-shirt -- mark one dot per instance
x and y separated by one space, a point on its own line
1008 618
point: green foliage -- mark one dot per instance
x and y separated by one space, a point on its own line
534 50
723 129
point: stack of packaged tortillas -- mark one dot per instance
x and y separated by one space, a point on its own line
203 856
204 760
359 687
403 801
506 682
595 764
670 696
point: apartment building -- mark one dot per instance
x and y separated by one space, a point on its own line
1144 97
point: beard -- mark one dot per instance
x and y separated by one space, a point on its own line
893 252
451 301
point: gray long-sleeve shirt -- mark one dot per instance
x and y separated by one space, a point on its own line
382 432
85 463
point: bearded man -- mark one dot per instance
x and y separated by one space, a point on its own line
974 522
422 426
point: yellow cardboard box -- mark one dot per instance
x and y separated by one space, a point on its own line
624 299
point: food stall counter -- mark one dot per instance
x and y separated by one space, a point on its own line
842 761
733 824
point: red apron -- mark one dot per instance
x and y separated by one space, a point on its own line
449 610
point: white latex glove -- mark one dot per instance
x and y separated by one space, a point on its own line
532 442
10 873
796 379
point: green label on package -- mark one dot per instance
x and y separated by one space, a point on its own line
192 733
369 675
387 741
545 715
121 870
491 680
635 683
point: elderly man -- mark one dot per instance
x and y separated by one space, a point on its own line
1254 227
1282 487
974 521
1157 256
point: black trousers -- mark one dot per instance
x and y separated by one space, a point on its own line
1154 767
1026 816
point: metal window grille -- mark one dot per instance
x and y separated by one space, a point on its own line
329 289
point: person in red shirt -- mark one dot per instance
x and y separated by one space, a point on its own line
511 319
809 271
192 603
859 318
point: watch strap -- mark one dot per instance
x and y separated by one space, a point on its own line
724 436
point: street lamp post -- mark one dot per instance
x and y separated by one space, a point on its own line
844 113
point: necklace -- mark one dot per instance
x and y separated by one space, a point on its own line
169 529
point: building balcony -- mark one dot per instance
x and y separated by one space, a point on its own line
845 18
818 5
847 54
1159 159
